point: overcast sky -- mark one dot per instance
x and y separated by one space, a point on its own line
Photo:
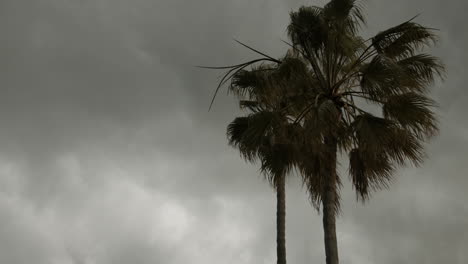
108 154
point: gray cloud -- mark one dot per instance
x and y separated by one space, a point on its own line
109 155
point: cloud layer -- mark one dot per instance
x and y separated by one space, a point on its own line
109 155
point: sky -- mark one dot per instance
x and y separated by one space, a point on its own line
109 155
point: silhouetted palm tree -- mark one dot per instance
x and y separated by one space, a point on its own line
365 98
354 76
266 133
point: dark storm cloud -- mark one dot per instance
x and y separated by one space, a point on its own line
109 155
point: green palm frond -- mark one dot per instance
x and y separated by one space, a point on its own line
250 132
246 83
256 140
251 105
369 171
383 76
373 133
236 133
261 125
307 28
384 136
348 46
259 52
380 145
412 111
312 166
403 40
380 78
233 70
404 147
347 13
292 69
420 71
276 160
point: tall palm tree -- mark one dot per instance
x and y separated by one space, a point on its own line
368 99
353 79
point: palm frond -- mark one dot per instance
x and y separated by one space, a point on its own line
292 69
348 13
373 133
349 47
312 169
403 40
230 73
380 78
420 71
236 133
250 132
405 146
369 172
314 166
261 125
255 84
412 111
251 105
307 28
277 160
257 51
382 136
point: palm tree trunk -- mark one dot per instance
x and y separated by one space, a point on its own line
329 200
281 221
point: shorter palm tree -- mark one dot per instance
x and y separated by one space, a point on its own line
266 133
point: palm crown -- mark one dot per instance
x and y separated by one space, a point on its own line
323 87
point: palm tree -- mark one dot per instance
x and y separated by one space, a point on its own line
354 78
275 165
266 133
368 99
